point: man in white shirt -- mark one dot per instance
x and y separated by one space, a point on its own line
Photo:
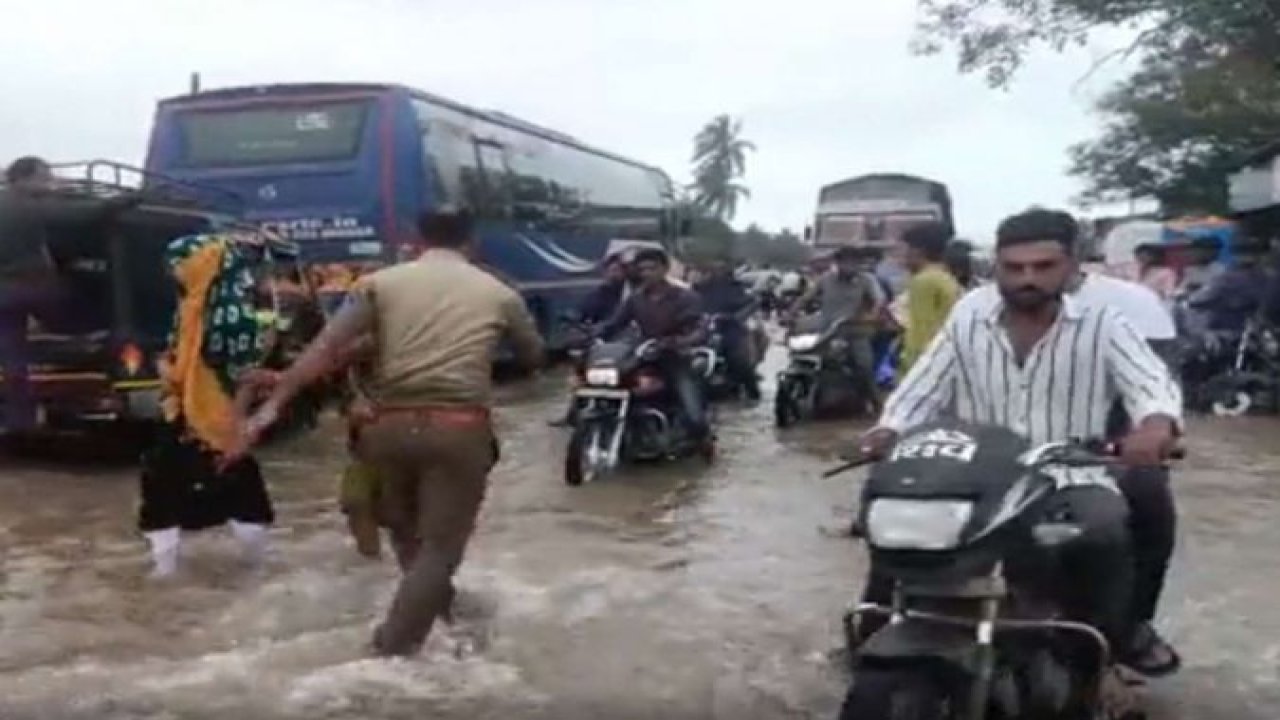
1153 513
1050 367
792 282
1152 508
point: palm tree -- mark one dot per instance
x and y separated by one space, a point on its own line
719 162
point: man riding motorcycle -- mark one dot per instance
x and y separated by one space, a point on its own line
601 304
1147 490
1234 295
722 294
1050 369
849 292
672 316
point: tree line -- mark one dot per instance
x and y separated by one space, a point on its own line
711 201
1205 96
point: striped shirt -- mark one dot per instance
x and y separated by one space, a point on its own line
1090 357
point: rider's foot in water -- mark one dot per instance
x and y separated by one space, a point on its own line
1150 654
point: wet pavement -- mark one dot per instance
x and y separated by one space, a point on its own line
676 592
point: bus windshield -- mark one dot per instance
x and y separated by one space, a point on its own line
882 228
270 136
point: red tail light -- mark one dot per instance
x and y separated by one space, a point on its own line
131 359
648 384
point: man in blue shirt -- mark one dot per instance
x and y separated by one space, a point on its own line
601 304
722 295
1236 294
606 298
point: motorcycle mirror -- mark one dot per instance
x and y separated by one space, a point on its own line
1055 534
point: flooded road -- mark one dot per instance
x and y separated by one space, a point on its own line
676 592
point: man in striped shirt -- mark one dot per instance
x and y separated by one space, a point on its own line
1050 368
1152 507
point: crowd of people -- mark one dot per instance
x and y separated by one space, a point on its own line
1203 292
1048 350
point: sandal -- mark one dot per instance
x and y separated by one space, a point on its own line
1151 655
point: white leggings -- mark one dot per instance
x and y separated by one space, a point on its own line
166 543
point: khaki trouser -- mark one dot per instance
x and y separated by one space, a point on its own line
433 477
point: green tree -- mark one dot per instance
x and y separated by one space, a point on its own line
1178 127
786 249
720 162
994 36
752 244
1205 94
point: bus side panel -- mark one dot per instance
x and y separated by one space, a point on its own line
404 185
554 270
553 264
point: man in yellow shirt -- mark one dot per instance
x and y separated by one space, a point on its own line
931 291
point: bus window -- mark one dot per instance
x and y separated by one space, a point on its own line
446 151
323 132
495 180
530 183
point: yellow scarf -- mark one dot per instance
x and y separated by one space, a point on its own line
192 390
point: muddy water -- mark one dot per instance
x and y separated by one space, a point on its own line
681 592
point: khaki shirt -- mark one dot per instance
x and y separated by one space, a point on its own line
437 323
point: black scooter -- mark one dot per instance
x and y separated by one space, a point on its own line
962 518
817 377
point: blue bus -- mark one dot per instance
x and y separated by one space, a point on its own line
344 170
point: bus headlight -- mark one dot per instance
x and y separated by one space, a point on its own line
901 524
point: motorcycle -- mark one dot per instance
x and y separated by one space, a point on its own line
626 412
817 376
1249 382
962 518
721 384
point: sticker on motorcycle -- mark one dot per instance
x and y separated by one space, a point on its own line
936 444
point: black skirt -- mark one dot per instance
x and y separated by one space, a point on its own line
182 488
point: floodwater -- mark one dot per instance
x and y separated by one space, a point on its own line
676 592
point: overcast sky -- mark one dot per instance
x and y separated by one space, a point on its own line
826 88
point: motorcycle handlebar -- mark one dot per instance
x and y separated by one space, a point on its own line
1092 453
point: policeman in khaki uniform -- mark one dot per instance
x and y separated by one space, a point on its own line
432 327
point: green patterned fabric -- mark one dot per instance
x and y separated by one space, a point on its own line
233 341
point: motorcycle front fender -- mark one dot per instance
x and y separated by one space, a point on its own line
597 409
913 641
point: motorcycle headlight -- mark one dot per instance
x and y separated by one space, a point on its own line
901 524
602 376
802 343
